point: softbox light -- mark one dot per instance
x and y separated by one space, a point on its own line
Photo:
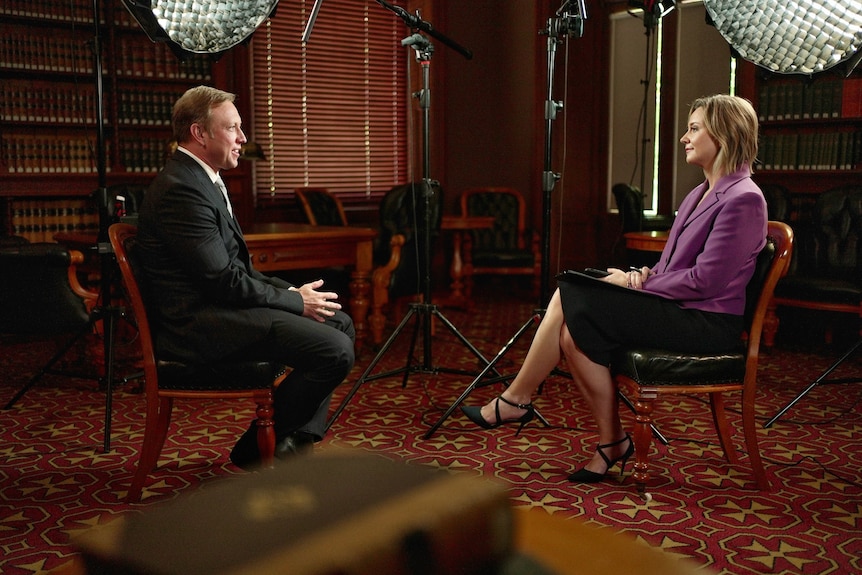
200 26
792 36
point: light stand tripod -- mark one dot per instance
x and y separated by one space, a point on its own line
425 311
568 21
557 27
105 311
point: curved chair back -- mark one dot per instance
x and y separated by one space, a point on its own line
321 208
508 208
40 292
630 204
403 212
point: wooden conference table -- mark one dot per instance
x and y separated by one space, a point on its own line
653 241
293 246
282 246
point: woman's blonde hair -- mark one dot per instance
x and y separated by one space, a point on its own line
732 123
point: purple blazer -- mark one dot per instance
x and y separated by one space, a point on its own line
712 248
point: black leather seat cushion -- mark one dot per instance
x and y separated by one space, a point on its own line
239 375
655 367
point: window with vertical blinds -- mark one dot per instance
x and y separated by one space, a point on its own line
333 112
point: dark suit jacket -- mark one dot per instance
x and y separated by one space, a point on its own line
712 248
206 300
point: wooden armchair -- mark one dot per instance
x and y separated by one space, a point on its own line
509 247
40 295
399 253
826 271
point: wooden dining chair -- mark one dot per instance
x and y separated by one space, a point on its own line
648 373
167 380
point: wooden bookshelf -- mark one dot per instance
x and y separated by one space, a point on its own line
48 106
811 129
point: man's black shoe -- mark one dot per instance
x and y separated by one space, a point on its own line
245 454
297 443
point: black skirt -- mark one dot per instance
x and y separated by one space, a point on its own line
603 317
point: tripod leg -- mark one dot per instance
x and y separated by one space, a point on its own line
110 324
365 374
476 382
820 379
461 337
56 357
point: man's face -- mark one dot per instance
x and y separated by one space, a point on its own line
221 143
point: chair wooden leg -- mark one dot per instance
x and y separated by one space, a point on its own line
643 440
155 432
265 429
719 420
749 426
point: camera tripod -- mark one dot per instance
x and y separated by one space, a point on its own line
423 312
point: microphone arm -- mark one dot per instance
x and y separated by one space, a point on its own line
415 22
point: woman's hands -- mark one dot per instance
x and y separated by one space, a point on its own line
317 305
634 278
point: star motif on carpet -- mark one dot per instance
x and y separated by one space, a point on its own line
547 502
753 514
634 507
770 557
715 477
525 469
49 487
458 443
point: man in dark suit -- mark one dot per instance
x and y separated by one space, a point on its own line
207 300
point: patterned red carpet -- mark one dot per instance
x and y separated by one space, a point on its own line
57 481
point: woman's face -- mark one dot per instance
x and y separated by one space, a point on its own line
700 148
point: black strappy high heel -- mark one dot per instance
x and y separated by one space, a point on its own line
474 414
584 475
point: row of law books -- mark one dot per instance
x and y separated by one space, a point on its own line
66 11
39 219
144 154
25 101
821 99
55 52
811 151
136 59
26 154
146 108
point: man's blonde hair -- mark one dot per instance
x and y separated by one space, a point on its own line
195 107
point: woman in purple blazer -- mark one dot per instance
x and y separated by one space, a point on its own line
700 282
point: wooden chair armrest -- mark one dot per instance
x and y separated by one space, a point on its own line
382 274
77 258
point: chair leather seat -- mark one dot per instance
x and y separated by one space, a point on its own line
235 375
499 258
819 289
656 367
